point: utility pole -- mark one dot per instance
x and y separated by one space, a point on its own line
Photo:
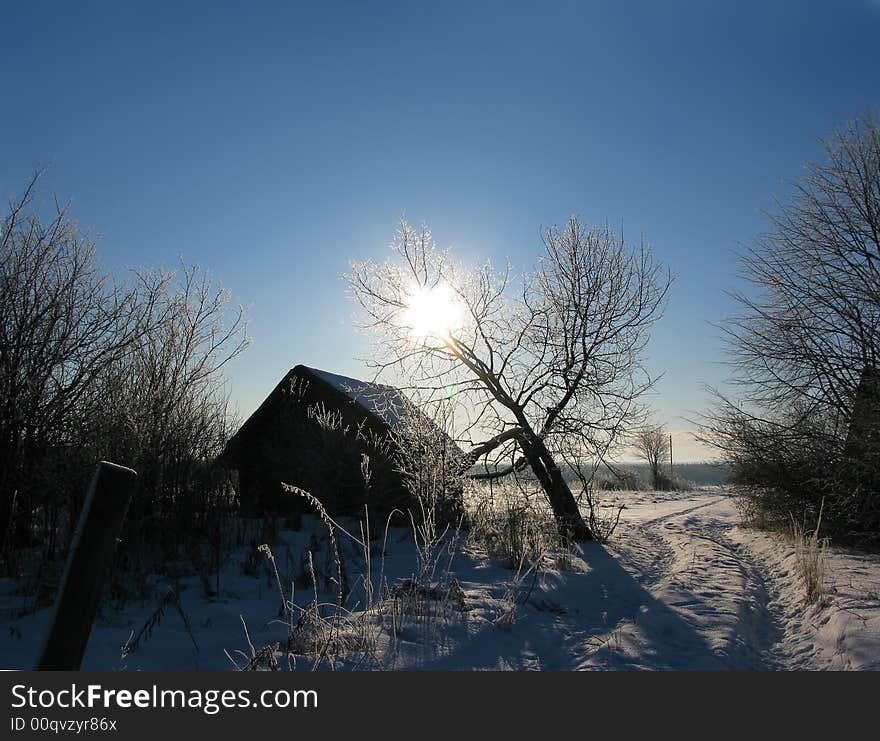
670 456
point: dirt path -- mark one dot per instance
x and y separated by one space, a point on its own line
673 591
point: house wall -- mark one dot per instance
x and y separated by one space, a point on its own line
322 454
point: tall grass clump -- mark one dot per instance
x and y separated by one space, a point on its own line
513 524
811 554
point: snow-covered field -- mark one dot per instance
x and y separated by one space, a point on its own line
681 586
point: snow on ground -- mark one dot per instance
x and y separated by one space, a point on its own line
842 635
681 586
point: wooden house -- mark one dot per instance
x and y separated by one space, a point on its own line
331 436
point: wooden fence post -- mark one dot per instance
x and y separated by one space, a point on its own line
91 554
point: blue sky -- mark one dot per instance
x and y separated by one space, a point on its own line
273 143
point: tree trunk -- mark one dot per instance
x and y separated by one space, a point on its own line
569 521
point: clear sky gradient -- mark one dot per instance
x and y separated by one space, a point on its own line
274 142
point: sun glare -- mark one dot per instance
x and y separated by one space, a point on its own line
432 312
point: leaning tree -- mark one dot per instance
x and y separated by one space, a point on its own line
545 370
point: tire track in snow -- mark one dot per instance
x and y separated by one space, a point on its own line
647 555
730 584
759 625
718 499
656 628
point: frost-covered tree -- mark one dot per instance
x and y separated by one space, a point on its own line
806 346
63 322
652 445
93 367
541 369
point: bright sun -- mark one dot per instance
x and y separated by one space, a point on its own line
432 312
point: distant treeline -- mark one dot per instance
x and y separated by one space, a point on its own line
638 475
699 474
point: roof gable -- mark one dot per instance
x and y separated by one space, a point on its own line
384 402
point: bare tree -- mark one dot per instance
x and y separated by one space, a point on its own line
812 326
542 369
92 367
164 403
62 323
806 347
652 445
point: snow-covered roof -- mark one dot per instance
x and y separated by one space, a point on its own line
385 402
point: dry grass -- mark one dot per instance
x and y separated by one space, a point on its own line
371 619
375 624
514 526
811 553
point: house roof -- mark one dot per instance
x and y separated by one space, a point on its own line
385 404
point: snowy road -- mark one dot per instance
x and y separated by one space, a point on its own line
715 585
682 587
